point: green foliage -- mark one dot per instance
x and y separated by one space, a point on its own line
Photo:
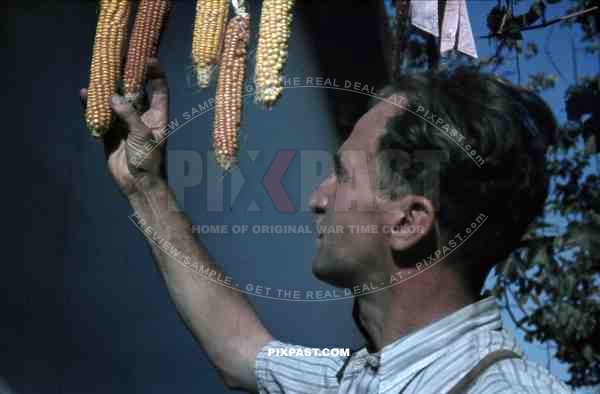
539 82
550 286
552 282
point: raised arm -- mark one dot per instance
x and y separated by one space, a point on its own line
219 317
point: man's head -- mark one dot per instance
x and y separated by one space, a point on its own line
445 157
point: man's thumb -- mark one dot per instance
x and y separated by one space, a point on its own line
129 115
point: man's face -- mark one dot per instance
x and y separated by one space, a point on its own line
345 204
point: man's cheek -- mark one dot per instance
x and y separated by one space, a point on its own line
342 202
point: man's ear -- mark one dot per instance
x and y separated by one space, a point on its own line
411 220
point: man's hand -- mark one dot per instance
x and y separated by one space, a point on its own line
135 144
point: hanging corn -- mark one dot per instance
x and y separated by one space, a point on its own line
271 54
228 108
209 25
143 44
111 33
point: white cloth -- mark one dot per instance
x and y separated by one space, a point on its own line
430 360
455 24
424 15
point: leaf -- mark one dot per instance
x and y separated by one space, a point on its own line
585 235
531 50
588 353
590 146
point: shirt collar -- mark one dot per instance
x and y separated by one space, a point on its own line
409 354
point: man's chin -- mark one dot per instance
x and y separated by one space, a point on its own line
328 271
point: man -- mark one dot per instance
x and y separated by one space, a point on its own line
452 165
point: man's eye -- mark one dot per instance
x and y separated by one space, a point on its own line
342 177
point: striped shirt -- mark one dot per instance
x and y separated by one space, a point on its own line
430 360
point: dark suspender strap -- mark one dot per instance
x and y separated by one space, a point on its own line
485 362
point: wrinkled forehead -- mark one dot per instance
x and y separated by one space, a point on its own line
371 126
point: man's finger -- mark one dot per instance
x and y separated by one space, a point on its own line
125 111
160 89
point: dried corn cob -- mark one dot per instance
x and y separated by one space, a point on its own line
209 25
111 33
271 54
229 91
143 44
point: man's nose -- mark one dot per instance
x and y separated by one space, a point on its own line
319 198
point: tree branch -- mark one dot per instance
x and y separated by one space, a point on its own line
548 23
549 55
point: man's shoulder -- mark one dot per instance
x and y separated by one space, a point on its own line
519 376
510 375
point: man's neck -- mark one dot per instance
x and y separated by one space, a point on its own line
387 315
